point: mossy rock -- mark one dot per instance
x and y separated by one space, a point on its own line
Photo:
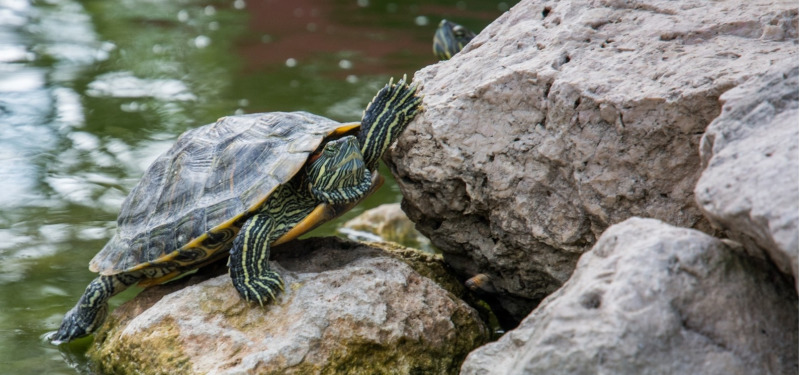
349 308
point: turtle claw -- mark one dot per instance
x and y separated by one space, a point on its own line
263 289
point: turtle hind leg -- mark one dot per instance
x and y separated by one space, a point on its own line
91 310
249 261
392 108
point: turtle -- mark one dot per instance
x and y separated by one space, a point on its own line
483 286
449 39
480 283
235 188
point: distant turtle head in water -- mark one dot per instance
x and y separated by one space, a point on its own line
449 39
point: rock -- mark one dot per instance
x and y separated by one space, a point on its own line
650 298
750 182
348 309
562 118
386 222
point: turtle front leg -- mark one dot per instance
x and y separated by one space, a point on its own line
344 194
249 261
91 310
339 175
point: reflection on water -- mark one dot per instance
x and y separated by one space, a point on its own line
92 91
125 85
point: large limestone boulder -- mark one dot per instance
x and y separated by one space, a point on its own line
750 182
347 309
562 118
651 298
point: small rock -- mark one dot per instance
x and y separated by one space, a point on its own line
386 222
347 309
651 298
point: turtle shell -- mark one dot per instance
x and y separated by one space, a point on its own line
193 199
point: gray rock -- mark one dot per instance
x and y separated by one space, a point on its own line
650 298
386 222
562 118
750 182
347 309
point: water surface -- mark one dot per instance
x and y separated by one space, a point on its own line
92 91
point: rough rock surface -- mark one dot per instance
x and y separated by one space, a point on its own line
348 309
750 183
386 222
650 298
562 118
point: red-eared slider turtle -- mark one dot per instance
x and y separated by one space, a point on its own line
243 184
449 39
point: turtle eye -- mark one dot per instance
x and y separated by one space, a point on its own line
458 31
331 148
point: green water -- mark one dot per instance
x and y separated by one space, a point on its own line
92 91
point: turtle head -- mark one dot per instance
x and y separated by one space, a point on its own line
386 116
78 322
449 39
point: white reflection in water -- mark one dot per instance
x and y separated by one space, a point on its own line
16 263
133 106
11 239
13 12
15 183
111 200
94 233
14 79
72 188
138 159
22 140
69 110
91 189
147 153
202 41
54 232
12 53
126 85
11 270
35 111
52 290
68 35
83 140
122 153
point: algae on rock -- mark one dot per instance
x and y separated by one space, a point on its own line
348 308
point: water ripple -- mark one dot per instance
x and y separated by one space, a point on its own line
126 85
